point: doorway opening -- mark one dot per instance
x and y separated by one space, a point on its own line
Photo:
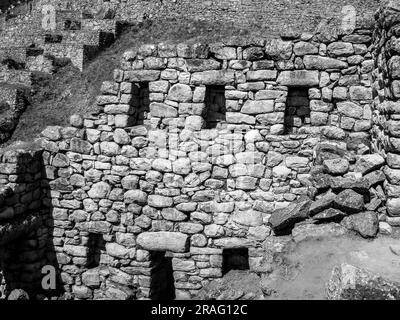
162 285
141 102
96 245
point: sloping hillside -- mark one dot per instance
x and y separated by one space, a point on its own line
70 91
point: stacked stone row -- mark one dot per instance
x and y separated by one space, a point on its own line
256 77
386 102
23 222
204 190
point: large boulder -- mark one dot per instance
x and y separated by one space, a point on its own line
299 78
213 77
308 231
368 163
365 223
349 201
283 219
348 282
323 203
163 241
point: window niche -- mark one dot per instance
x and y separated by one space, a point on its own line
53 38
72 25
235 259
162 283
297 113
141 102
96 245
215 107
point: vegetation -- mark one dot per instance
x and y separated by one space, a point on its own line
69 91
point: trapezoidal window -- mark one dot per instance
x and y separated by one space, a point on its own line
297 112
162 285
215 106
53 38
140 102
72 25
96 245
235 259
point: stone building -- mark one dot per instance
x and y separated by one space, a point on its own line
202 156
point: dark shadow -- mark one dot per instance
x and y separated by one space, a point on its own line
215 106
96 245
162 279
235 259
297 113
12 64
53 38
72 25
26 241
140 101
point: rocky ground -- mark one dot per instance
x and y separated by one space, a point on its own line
304 267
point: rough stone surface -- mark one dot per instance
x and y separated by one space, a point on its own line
365 223
163 241
287 217
348 282
349 201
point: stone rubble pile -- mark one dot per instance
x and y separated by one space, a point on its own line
350 192
347 191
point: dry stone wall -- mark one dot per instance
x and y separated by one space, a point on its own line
386 101
194 149
34 41
271 15
24 221
201 156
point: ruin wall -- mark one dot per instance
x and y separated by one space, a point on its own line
386 107
194 148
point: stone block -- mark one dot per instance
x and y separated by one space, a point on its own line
163 241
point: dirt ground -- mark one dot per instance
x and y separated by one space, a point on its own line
307 267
